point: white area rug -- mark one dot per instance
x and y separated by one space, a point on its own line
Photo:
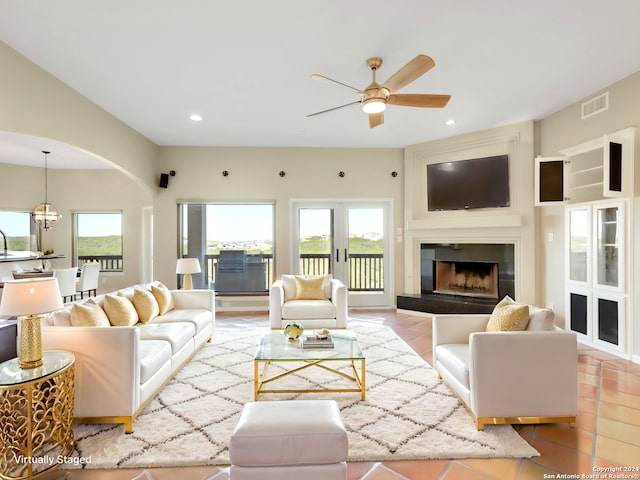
408 413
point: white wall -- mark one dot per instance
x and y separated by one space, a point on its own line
565 129
311 173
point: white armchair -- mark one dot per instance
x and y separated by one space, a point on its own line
514 377
328 310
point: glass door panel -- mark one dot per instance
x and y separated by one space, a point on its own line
579 244
315 241
608 246
347 239
365 255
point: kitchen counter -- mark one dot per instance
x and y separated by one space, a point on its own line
23 256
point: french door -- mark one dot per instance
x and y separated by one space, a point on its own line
350 240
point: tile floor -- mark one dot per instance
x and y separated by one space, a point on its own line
607 433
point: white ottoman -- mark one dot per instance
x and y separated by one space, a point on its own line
289 440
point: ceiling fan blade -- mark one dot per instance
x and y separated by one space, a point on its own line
407 74
419 100
376 119
334 108
317 76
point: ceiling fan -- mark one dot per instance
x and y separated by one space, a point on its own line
376 97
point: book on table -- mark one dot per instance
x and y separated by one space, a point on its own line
312 341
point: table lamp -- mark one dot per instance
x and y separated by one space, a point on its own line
30 297
187 266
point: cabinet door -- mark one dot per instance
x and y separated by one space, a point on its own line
550 180
578 317
608 320
618 163
608 248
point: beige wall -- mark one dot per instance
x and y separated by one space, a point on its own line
33 102
565 129
311 173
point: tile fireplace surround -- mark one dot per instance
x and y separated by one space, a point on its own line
477 276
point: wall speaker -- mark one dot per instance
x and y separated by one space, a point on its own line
164 180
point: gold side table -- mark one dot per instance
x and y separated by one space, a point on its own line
36 416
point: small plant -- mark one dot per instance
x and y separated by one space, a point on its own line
293 330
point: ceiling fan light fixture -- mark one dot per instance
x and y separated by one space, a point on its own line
374 105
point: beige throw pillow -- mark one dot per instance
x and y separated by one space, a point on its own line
508 316
145 304
120 310
541 319
163 297
88 314
310 288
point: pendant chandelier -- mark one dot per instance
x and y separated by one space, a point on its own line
45 214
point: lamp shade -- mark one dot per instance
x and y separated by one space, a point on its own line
188 265
30 296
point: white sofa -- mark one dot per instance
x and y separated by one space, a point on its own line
514 377
327 312
119 369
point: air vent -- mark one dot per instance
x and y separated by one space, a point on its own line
595 105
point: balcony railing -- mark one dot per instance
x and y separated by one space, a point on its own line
108 263
365 270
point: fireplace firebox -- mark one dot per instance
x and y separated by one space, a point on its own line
475 279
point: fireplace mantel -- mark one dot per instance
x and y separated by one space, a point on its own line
515 225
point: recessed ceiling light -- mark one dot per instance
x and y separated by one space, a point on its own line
196 118
449 122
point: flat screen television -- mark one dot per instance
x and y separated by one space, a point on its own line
468 184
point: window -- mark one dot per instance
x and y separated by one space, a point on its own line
21 233
98 237
234 243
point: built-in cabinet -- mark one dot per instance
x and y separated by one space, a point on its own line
600 168
594 180
596 296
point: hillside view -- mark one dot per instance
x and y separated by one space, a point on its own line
315 244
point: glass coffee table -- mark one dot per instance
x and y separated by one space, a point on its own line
276 348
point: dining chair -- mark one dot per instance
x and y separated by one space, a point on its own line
88 281
66 282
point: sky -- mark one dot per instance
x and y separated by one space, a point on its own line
239 222
236 222
249 222
14 224
99 224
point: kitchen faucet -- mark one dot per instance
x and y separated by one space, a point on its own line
5 243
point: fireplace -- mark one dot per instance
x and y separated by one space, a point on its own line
462 278
475 279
